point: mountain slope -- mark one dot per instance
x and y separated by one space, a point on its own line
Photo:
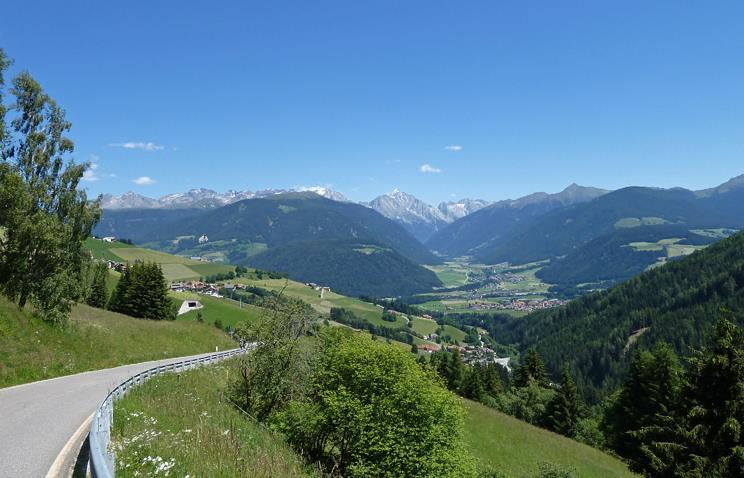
561 231
276 220
484 229
621 254
676 303
349 267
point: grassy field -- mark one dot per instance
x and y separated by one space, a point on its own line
227 311
424 326
365 310
452 274
516 448
174 267
204 435
31 349
102 250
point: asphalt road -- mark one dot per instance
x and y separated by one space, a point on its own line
37 419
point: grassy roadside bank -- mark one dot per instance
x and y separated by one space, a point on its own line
183 425
31 349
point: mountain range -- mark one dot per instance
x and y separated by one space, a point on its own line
417 217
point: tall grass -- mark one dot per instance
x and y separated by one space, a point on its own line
183 424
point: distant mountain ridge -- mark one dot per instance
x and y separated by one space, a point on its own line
203 198
419 218
477 231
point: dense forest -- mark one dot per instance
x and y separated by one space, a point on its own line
596 334
349 267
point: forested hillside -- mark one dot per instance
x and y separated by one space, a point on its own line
349 267
678 303
561 231
487 227
621 254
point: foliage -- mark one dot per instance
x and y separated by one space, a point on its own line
45 218
277 371
345 421
566 409
702 435
98 290
532 370
143 292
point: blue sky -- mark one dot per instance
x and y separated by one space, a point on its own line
369 96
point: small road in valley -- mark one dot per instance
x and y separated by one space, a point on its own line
37 420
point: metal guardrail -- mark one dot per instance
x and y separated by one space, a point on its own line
102 460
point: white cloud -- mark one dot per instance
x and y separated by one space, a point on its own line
148 146
144 181
90 174
453 148
428 168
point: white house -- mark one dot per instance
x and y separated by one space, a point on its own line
109 239
189 305
203 238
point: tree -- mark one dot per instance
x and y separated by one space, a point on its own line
703 437
98 293
278 369
45 217
533 369
346 421
142 292
566 409
650 393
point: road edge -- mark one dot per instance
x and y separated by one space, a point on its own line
64 463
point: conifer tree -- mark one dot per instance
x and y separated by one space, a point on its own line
532 370
705 437
566 409
650 393
98 294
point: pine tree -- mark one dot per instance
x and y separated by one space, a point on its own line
650 393
119 301
98 294
532 370
566 409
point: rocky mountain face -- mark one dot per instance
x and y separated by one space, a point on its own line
455 210
419 218
204 198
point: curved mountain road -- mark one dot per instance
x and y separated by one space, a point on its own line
38 419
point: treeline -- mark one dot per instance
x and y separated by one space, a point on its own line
675 304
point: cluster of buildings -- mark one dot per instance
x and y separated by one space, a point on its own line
523 305
471 354
197 287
